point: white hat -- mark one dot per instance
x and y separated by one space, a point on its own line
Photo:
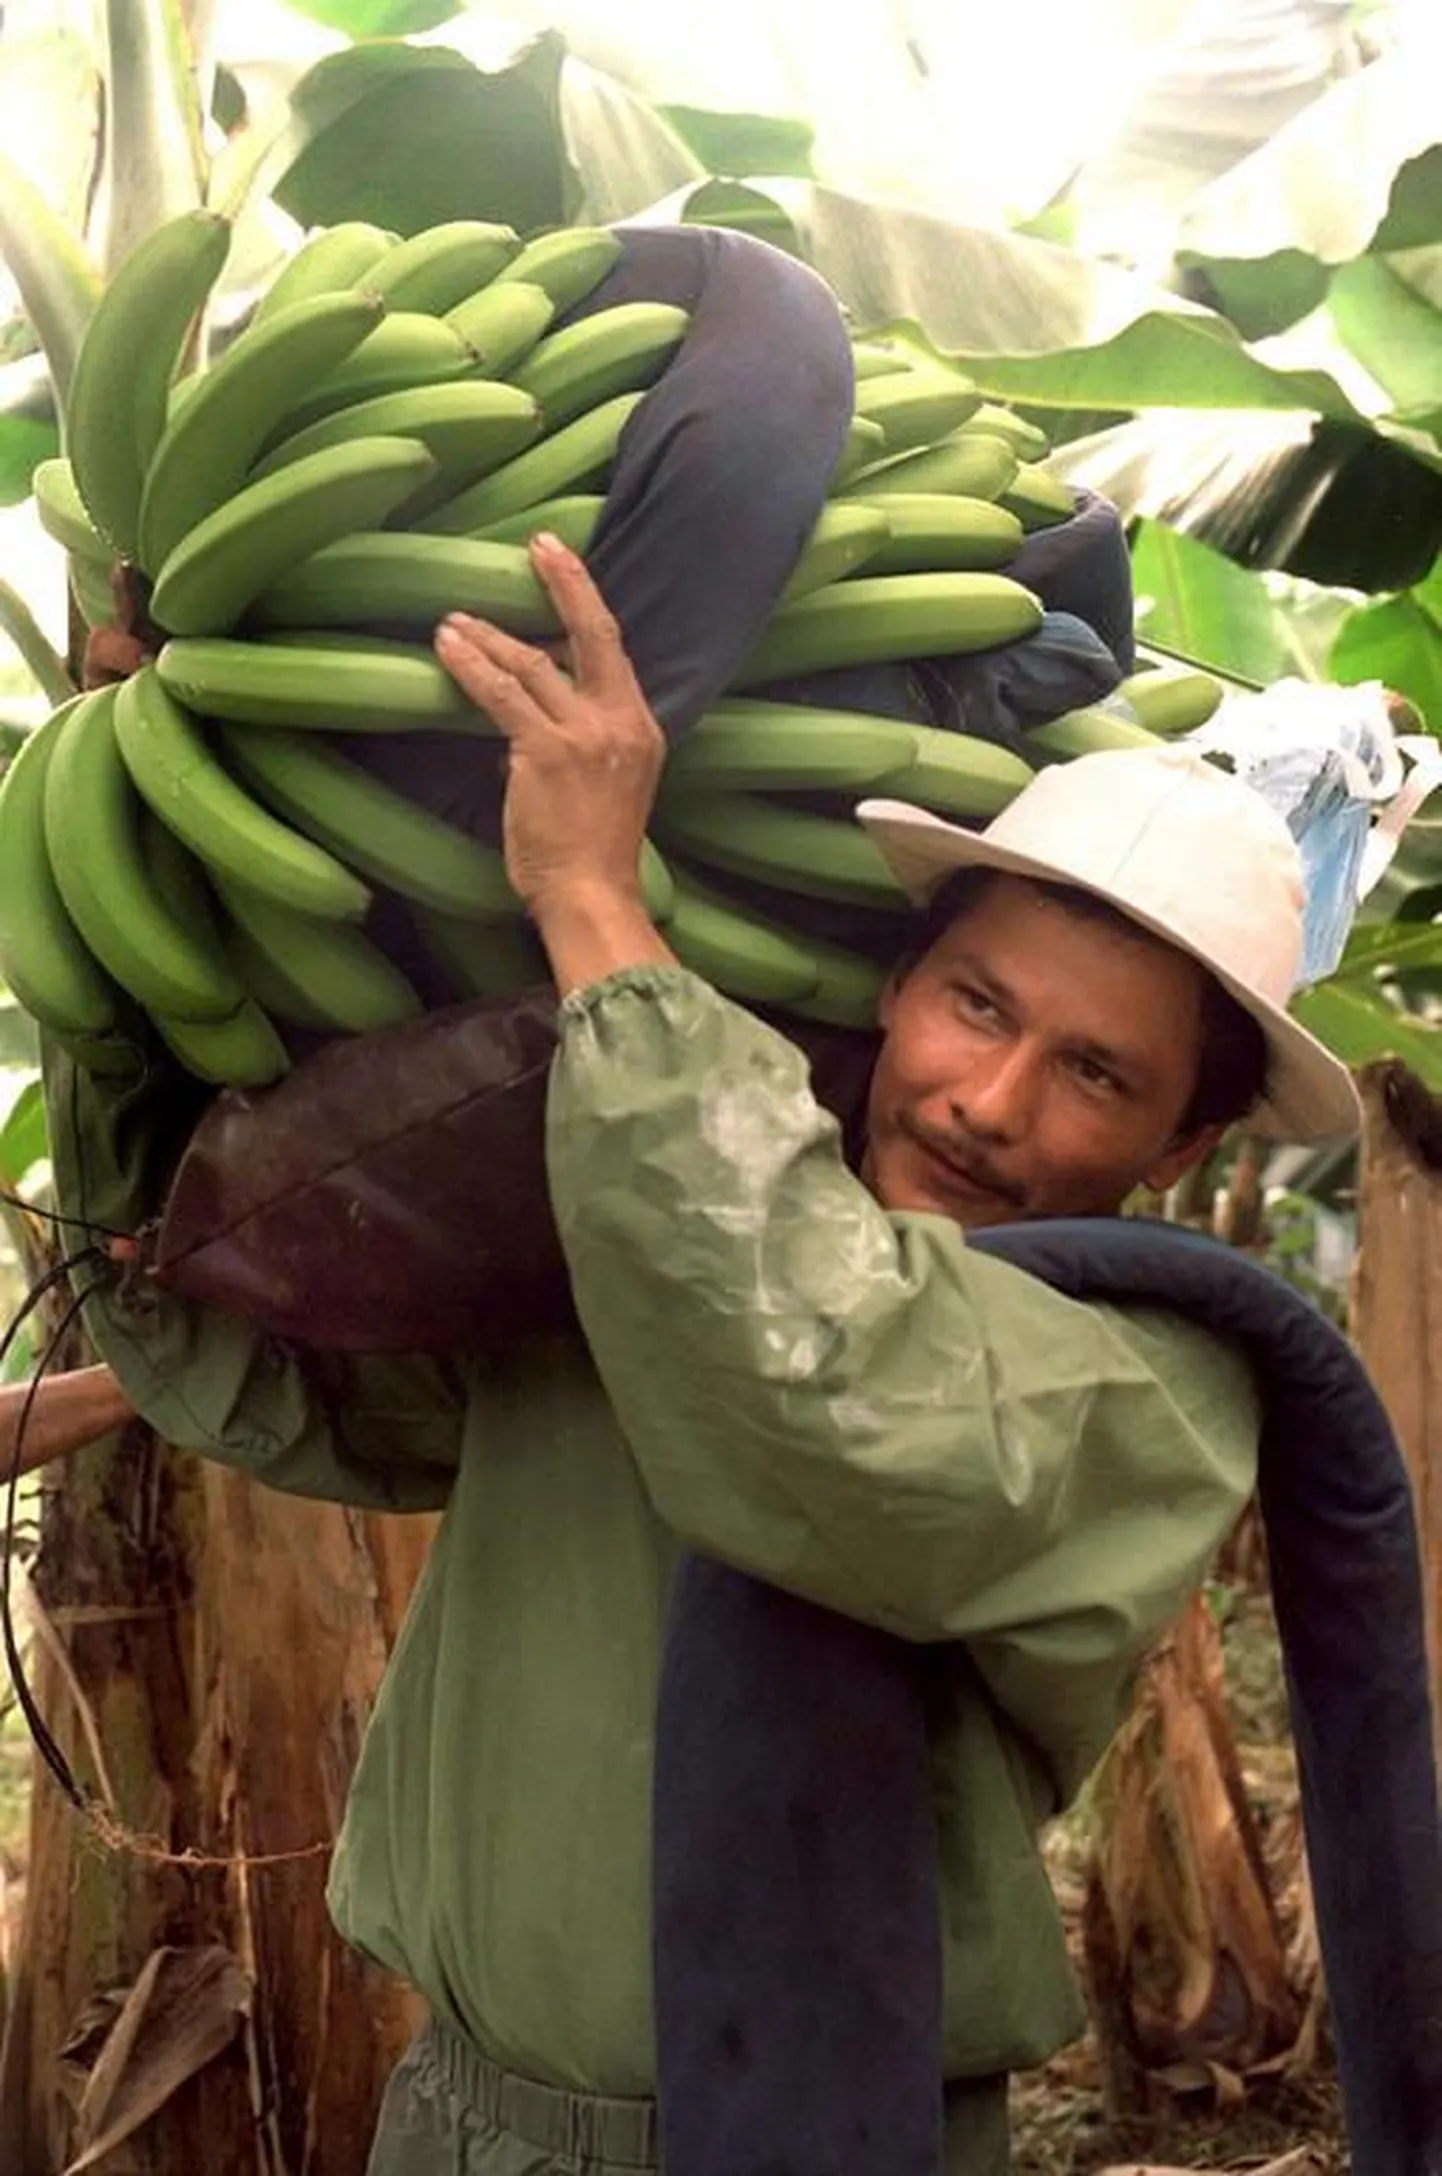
1186 850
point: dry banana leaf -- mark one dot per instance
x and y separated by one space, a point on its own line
184 2009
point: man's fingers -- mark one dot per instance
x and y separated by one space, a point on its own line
516 685
598 655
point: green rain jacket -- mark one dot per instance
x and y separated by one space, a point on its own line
843 1401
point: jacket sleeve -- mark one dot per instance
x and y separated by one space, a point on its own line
852 1404
378 1433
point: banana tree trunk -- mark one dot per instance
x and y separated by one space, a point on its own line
1397 1296
221 1645
1185 1960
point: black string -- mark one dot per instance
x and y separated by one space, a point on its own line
68 1223
45 1744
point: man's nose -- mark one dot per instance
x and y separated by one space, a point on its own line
998 1099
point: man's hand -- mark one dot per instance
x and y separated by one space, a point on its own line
585 751
66 1412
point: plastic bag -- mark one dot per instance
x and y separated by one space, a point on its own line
1330 762
389 1195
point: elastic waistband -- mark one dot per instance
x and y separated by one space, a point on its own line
572 2126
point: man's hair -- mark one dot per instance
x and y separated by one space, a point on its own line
1232 1066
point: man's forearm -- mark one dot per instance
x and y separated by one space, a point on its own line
592 932
67 1412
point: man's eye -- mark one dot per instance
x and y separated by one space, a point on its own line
974 1001
1095 1075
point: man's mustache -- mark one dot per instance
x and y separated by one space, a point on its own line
969 1162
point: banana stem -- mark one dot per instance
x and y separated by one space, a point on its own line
20 624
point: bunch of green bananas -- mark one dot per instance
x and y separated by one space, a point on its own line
370 452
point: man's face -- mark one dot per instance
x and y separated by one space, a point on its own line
1037 1063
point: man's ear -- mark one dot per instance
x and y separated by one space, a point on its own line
1182 1157
886 1003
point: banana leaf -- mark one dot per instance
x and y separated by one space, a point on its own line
44 663
1326 501
733 145
49 264
1031 321
1398 640
1360 1025
1393 329
377 18
1358 169
1219 82
28 430
154 162
409 135
23 1139
750 211
1193 600
624 153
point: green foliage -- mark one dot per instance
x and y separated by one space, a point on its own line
736 144
407 136
23 1141
377 18
1195 602
1399 642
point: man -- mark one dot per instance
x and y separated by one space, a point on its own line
795 1368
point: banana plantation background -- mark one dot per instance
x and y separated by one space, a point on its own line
1200 241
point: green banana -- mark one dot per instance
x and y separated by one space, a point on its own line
1026 440
482 959
744 746
90 585
847 535
848 989
874 359
243 1050
1088 732
370 825
577 455
389 579
975 468
936 532
245 546
94 833
502 324
568 263
955 774
572 519
336 685
916 409
43 956
207 447
1038 499
658 886
1172 698
821 856
62 515
621 350
874 619
118 395
737 951
176 768
332 259
865 443
276 997
437 268
468 428
330 970
405 349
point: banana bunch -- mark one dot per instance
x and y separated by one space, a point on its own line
281 530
